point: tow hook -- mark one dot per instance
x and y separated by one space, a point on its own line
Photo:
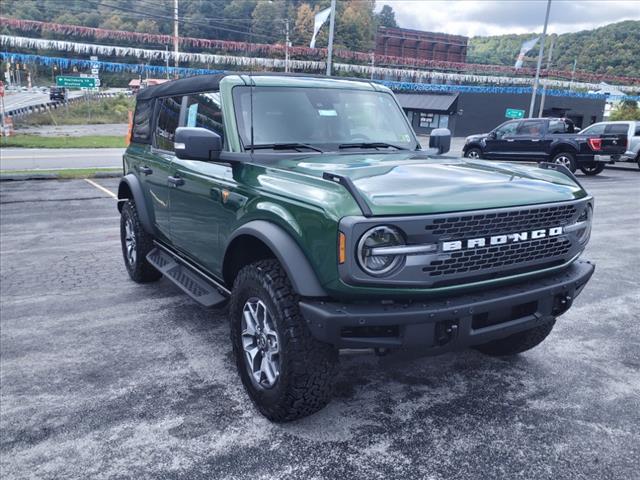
381 351
561 304
446 331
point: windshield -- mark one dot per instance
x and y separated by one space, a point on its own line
322 117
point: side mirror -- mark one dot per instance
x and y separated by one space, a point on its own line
492 135
195 143
440 139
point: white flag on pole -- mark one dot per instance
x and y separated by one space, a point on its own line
318 21
526 46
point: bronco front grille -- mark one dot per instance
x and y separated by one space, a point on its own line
478 225
505 256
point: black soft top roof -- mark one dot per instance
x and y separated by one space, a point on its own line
182 86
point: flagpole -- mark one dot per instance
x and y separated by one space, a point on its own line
332 21
540 54
544 85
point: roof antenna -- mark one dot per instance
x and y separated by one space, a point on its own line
251 108
251 79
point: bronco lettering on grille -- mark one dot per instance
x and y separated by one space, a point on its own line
455 245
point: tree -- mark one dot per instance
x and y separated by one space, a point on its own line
626 110
303 29
267 21
387 17
355 26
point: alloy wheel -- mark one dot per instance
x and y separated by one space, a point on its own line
473 154
563 160
130 241
260 343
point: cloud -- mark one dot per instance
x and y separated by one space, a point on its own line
496 17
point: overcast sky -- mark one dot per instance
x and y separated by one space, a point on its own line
496 17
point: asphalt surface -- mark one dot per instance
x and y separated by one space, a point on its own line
59 158
15 100
103 378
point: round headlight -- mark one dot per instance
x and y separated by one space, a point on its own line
374 262
586 216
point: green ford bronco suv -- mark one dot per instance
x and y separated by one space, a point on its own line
307 206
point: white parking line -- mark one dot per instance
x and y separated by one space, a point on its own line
100 187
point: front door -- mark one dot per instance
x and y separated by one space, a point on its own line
501 145
203 202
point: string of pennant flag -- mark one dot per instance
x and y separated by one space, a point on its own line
309 53
250 63
160 70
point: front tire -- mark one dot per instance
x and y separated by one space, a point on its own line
565 158
592 168
473 153
518 342
287 373
136 244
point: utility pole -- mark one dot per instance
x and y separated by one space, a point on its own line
332 21
544 85
573 72
540 54
175 33
286 45
166 59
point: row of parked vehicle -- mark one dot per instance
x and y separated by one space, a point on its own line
558 140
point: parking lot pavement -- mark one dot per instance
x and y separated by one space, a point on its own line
104 378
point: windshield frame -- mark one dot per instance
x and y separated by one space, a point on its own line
326 146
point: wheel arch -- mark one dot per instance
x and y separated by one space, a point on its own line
130 189
262 240
565 148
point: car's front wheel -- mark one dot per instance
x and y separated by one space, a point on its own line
565 158
473 153
287 373
592 168
518 342
136 244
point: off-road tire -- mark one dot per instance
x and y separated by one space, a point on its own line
476 151
592 169
518 342
307 366
140 270
570 161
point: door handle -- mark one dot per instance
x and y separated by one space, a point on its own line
535 139
511 140
145 170
175 181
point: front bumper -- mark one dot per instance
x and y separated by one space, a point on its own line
449 323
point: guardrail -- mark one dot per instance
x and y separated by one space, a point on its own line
54 105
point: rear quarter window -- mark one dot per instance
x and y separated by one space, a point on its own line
142 121
617 129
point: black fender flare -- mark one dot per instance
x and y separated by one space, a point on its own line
300 272
130 183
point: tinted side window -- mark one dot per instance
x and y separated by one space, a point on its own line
530 127
557 126
168 113
204 111
617 129
142 121
507 129
637 134
594 130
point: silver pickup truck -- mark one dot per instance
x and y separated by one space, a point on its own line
629 127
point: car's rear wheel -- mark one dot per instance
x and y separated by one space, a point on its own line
287 373
473 153
566 159
592 168
136 244
518 342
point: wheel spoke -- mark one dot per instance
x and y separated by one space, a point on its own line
267 368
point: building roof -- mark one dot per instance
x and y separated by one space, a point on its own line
427 101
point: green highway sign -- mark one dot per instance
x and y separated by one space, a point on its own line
514 113
76 82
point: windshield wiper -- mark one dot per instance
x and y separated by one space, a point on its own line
282 146
370 145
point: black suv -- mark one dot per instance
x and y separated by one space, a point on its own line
58 93
553 140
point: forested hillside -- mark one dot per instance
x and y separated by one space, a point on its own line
613 49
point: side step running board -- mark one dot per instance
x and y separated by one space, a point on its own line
188 279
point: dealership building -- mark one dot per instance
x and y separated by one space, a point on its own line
466 113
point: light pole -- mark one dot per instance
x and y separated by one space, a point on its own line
540 54
332 21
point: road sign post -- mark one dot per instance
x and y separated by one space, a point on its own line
514 113
75 82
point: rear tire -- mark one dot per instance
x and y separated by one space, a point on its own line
136 244
473 153
518 342
287 373
592 168
565 158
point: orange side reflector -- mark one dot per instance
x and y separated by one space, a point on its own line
342 248
127 139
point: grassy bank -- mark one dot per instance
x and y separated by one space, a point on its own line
36 141
90 112
63 174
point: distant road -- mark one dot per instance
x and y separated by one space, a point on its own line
59 158
13 101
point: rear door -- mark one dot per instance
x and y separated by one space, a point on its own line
503 145
529 142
